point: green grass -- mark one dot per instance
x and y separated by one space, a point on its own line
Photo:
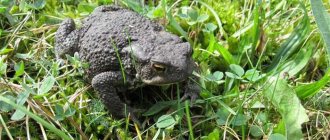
264 71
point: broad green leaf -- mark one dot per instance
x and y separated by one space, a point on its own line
262 117
210 77
253 75
277 136
256 131
202 18
19 69
4 107
165 121
225 54
159 106
156 12
5 51
59 112
191 23
3 9
284 99
298 62
38 4
69 112
222 116
322 19
209 27
308 90
183 13
238 70
232 75
46 85
18 114
239 120
24 55
21 99
183 16
257 105
214 135
216 76
293 43
280 127
193 14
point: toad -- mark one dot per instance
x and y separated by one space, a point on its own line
126 51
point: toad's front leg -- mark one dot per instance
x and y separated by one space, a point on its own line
66 39
191 89
106 84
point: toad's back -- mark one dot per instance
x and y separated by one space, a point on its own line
108 30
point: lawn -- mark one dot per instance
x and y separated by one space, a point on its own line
263 71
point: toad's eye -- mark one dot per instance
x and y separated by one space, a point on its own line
159 67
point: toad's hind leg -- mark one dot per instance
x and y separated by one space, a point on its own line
66 39
105 84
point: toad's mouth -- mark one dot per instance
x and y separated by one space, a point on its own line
159 80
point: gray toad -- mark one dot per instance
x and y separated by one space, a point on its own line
126 51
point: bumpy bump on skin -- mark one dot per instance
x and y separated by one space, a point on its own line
120 44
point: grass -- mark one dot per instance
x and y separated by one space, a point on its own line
264 71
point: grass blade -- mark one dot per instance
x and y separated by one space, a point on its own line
293 43
176 26
297 63
191 132
322 19
6 128
308 90
36 118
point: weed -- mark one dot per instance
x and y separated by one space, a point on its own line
263 70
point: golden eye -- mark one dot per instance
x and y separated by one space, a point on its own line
159 67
